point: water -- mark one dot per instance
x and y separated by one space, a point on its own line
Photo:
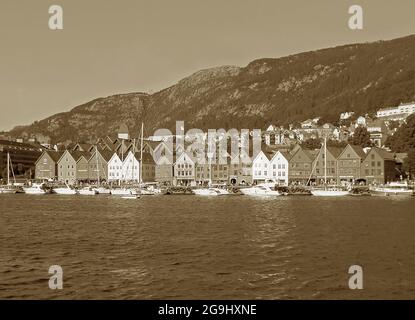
189 247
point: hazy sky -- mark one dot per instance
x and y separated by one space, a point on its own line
109 47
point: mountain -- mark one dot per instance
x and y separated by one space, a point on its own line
357 77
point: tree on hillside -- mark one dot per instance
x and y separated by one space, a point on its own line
409 163
404 138
311 144
361 137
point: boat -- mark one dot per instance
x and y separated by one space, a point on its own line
64 190
35 188
328 191
99 189
393 188
146 192
260 190
132 197
206 192
9 187
124 192
102 190
88 191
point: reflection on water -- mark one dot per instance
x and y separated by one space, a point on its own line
189 247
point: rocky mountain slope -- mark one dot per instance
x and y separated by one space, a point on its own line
358 77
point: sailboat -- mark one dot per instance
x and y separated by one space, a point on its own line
126 192
332 191
9 188
99 189
210 190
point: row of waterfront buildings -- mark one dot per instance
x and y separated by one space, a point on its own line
120 160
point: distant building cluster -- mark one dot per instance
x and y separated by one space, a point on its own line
281 159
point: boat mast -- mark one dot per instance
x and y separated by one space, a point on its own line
141 154
132 168
8 168
325 161
96 156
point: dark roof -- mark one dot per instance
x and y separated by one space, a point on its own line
384 154
359 151
55 155
335 151
78 154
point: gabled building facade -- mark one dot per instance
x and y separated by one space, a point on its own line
184 169
349 164
261 167
279 168
46 166
300 166
379 167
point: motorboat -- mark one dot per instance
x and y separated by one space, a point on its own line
131 197
35 188
66 190
329 192
124 192
88 191
393 188
102 190
206 192
260 190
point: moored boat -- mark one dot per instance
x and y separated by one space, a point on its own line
66 190
260 190
393 188
88 191
35 188
331 192
124 192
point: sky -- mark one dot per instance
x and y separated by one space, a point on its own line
109 47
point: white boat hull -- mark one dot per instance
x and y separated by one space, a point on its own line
206 192
88 192
34 191
131 197
329 193
5 190
124 192
392 192
254 191
64 191
101 190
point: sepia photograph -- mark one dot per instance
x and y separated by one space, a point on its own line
188 150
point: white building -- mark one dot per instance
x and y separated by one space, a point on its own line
261 168
346 115
403 110
115 168
184 169
279 168
131 167
127 170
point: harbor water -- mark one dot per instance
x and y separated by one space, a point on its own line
191 247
